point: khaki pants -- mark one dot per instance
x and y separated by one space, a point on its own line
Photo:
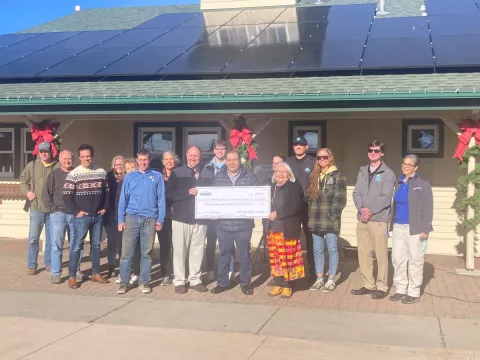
188 240
372 237
408 253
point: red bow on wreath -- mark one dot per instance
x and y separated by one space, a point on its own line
43 134
245 135
468 129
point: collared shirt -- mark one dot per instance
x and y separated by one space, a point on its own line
401 201
142 194
233 178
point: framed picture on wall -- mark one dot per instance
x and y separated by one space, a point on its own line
425 138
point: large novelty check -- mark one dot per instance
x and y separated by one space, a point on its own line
227 202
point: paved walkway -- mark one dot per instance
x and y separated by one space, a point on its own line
446 294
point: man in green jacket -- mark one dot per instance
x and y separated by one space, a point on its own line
32 183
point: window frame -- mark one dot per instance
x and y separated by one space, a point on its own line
12 131
186 129
295 125
25 132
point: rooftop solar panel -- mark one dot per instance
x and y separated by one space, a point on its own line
31 65
87 63
464 24
184 36
264 58
304 14
134 38
451 7
87 39
43 41
454 50
257 16
352 11
329 55
168 20
339 30
286 32
399 27
7 57
398 53
235 35
11 39
212 18
145 61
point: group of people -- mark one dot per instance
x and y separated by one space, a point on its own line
134 203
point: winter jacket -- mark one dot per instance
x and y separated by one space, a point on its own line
420 206
324 212
245 178
41 173
179 183
115 188
287 201
376 195
302 168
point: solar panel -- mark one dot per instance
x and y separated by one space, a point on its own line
449 7
454 50
203 59
184 36
464 24
398 53
87 40
304 14
399 27
352 11
134 38
286 32
87 63
145 61
10 39
31 65
168 20
336 30
7 57
235 35
255 17
43 41
264 58
329 55
211 18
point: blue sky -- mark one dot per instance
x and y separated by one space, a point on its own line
16 15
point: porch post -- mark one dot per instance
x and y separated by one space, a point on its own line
470 237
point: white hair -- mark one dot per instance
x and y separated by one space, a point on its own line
175 157
289 170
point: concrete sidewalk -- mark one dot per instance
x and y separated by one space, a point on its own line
53 326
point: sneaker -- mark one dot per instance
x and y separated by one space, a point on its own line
80 276
134 279
55 279
200 288
247 289
397 297
210 276
167 280
218 290
122 290
410 300
181 289
31 271
329 286
145 289
118 281
318 284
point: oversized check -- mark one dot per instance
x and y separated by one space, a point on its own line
232 202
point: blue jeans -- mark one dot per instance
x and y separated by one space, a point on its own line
226 240
60 223
212 247
81 227
319 253
138 229
37 221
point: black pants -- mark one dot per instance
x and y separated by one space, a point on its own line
308 240
165 242
280 281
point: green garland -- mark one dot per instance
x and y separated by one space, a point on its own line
243 151
473 201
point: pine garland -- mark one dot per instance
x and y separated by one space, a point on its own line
472 201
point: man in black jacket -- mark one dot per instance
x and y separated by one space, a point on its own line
188 234
238 231
302 166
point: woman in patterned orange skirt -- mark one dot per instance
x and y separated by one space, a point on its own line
285 251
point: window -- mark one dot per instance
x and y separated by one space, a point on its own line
204 138
7 152
27 147
156 141
312 131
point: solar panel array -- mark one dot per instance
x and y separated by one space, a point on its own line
291 40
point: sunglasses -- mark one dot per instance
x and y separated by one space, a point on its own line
323 157
376 151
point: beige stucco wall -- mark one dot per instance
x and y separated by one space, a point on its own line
347 136
235 4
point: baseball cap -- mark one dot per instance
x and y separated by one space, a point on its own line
44 146
300 140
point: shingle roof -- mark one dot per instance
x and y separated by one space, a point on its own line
334 86
129 17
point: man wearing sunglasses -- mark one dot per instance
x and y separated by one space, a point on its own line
373 196
302 165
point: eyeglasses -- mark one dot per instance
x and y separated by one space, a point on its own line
407 165
376 151
323 157
220 149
